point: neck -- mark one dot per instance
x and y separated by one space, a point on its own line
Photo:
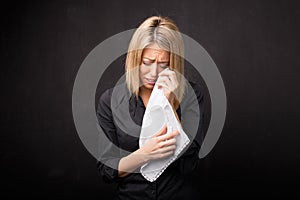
145 95
144 92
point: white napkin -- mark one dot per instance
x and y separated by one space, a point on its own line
158 113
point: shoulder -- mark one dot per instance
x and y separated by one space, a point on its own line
105 97
113 95
104 100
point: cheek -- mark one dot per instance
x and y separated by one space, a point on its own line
143 71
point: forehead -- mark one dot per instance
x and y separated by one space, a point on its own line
153 52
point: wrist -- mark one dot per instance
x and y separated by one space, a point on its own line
171 99
143 155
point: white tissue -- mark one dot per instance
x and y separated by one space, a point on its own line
158 113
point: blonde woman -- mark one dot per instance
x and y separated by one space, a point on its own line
155 46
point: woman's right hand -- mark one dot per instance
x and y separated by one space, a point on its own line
160 145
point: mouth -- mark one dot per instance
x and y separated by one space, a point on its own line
150 81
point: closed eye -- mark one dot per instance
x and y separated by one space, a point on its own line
164 66
147 63
161 65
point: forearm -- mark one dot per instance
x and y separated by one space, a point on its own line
158 146
131 162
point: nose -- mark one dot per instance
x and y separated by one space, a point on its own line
154 70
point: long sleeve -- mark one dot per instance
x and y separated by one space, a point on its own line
189 160
108 162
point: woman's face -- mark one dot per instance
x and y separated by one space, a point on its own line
154 60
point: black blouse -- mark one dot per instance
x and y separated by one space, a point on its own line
171 183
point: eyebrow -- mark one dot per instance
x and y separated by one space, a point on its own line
152 60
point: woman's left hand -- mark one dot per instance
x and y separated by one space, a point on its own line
168 81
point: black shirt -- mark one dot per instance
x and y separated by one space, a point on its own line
171 183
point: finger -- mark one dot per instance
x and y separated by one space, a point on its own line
169 153
173 80
169 142
163 79
170 74
166 79
168 136
170 82
168 148
162 85
161 131
161 153
166 83
166 72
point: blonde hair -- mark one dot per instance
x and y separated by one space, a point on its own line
163 32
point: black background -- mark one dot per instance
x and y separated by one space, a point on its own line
254 44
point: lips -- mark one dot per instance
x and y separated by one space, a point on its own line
150 81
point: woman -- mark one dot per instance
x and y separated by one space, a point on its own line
155 46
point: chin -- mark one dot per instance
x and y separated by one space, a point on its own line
148 86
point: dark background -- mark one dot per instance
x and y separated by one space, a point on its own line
254 44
